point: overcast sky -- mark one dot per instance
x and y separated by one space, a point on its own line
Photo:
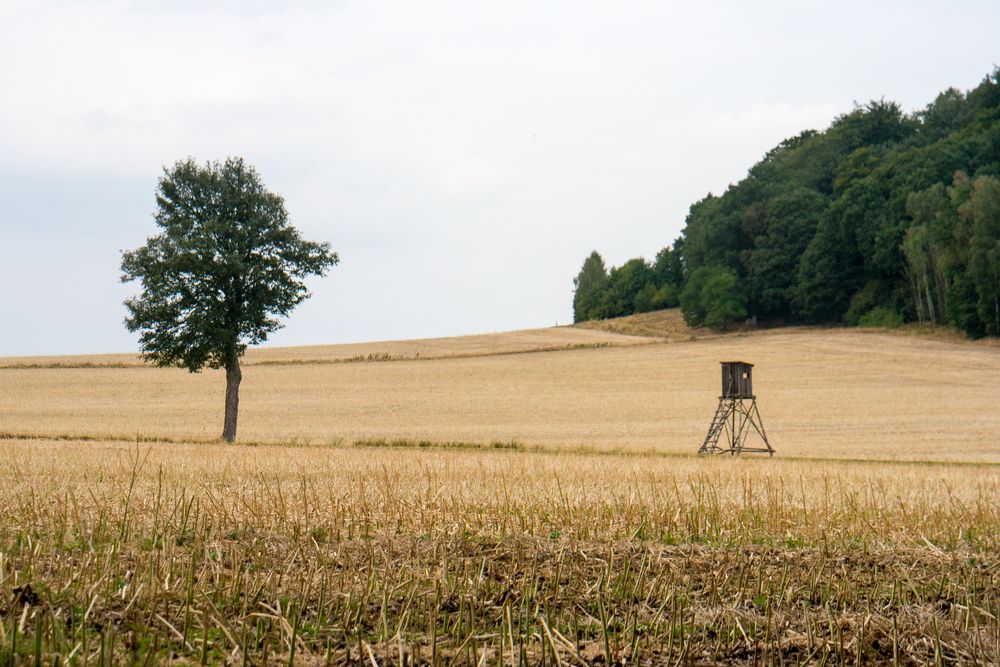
462 157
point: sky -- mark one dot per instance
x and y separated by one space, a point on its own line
463 158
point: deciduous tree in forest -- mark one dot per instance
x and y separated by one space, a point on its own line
983 209
589 285
712 297
881 218
226 265
624 284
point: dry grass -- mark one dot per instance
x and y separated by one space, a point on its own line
825 394
667 325
117 553
512 342
520 499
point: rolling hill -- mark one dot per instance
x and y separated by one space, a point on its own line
826 393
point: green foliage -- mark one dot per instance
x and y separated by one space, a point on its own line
878 123
713 235
983 211
882 211
931 255
651 297
668 268
873 295
722 299
963 302
225 266
947 113
625 282
712 297
881 317
589 284
690 299
829 272
634 287
790 221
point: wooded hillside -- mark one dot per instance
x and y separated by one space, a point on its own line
882 218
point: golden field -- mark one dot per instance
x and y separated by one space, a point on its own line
186 554
512 342
822 393
517 499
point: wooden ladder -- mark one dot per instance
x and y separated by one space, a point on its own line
715 429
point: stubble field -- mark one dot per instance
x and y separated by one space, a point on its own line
524 499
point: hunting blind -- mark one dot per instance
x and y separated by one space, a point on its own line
737 423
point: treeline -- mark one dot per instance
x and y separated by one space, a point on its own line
885 217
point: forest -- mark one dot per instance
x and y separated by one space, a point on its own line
885 217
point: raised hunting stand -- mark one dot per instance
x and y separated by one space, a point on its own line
737 418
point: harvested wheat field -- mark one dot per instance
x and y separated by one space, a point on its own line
322 555
823 393
512 342
524 499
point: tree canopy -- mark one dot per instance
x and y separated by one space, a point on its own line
589 284
225 267
883 217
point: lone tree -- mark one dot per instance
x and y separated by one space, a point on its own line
226 265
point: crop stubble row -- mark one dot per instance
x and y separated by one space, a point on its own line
215 552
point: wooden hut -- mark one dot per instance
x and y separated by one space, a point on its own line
737 379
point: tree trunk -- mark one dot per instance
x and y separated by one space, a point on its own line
930 298
944 285
917 296
233 378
